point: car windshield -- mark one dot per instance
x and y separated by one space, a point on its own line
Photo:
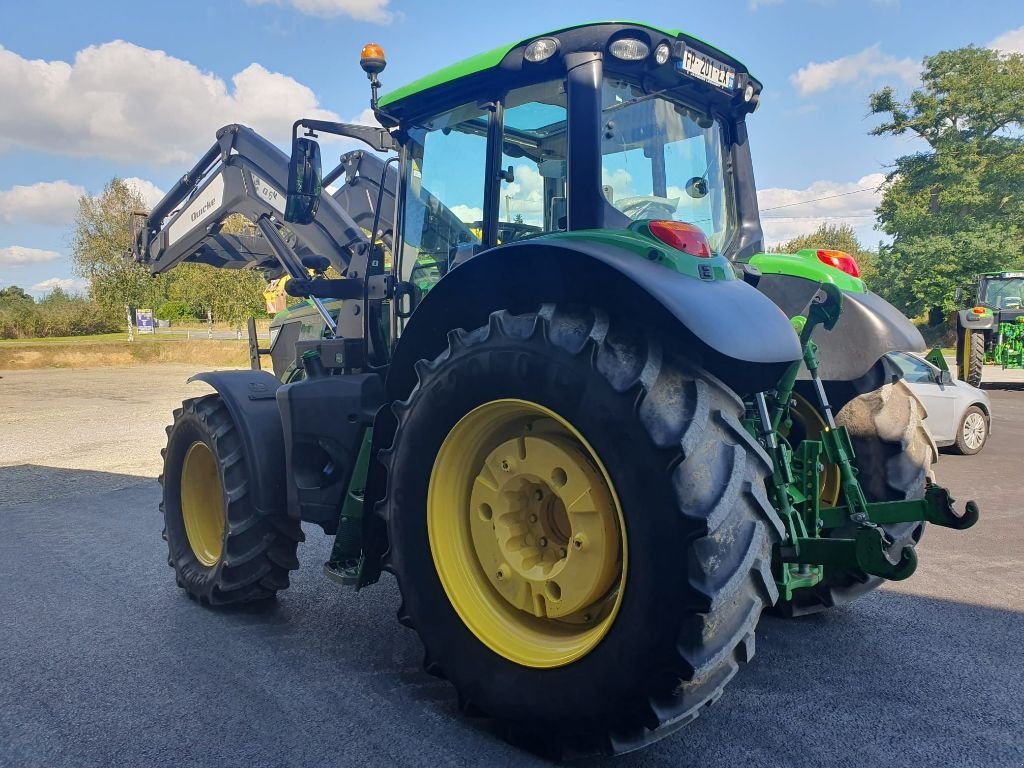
1004 293
663 159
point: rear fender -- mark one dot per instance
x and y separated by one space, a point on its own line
967 319
725 325
868 327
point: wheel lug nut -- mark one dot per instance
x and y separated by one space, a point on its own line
533 518
562 552
500 574
505 466
579 541
538 495
543 541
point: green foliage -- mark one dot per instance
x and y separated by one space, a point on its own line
99 243
58 314
836 237
957 207
175 310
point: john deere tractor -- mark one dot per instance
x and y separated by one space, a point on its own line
559 391
987 331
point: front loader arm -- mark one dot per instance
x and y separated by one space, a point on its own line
245 174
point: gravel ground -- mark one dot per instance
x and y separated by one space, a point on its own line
103 661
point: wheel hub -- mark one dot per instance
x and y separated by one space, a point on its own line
544 527
202 504
526 533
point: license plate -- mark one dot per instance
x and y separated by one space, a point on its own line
703 67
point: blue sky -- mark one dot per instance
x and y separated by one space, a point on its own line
93 90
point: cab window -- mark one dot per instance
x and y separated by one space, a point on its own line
444 192
532 198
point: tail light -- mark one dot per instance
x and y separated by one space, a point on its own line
978 310
684 237
840 260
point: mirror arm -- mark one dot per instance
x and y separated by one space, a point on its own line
379 139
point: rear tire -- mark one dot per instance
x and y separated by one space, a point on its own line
690 485
895 452
222 550
971 358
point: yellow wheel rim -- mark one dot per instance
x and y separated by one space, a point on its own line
965 356
806 416
526 533
202 504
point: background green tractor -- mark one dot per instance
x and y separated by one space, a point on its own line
984 329
586 441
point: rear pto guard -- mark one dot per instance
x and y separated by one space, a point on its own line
820 538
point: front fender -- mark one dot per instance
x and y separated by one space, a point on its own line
251 400
732 330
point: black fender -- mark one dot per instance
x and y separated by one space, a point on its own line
966 319
251 400
732 330
868 327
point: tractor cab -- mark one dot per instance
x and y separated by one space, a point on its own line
647 123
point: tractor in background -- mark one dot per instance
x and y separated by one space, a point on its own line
986 330
558 390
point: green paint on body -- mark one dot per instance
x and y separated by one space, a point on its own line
806 264
490 59
638 241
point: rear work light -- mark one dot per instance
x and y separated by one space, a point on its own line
684 237
840 260
978 310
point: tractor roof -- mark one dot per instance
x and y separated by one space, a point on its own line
492 59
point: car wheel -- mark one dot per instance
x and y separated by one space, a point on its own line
972 433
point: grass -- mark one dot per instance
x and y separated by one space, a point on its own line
109 350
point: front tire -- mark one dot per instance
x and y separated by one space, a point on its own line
658 442
222 549
972 434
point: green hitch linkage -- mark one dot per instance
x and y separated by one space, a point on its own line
871 550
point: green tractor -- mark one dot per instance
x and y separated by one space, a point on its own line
559 390
986 330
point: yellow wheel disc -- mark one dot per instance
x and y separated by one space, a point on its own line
526 533
202 504
809 420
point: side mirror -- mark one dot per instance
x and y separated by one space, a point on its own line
304 187
945 377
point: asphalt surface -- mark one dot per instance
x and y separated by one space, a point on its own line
104 662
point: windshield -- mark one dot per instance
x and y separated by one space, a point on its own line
663 159
1005 293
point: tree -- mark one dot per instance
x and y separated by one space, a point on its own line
99 245
955 208
837 237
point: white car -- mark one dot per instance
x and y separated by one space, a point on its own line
959 415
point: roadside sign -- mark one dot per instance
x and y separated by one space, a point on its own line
144 320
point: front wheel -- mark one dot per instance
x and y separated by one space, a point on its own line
972 434
971 360
223 550
579 527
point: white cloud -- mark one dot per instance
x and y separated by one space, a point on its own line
66 284
19 255
1009 42
46 202
150 192
362 10
126 103
843 203
755 4
467 214
869 64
